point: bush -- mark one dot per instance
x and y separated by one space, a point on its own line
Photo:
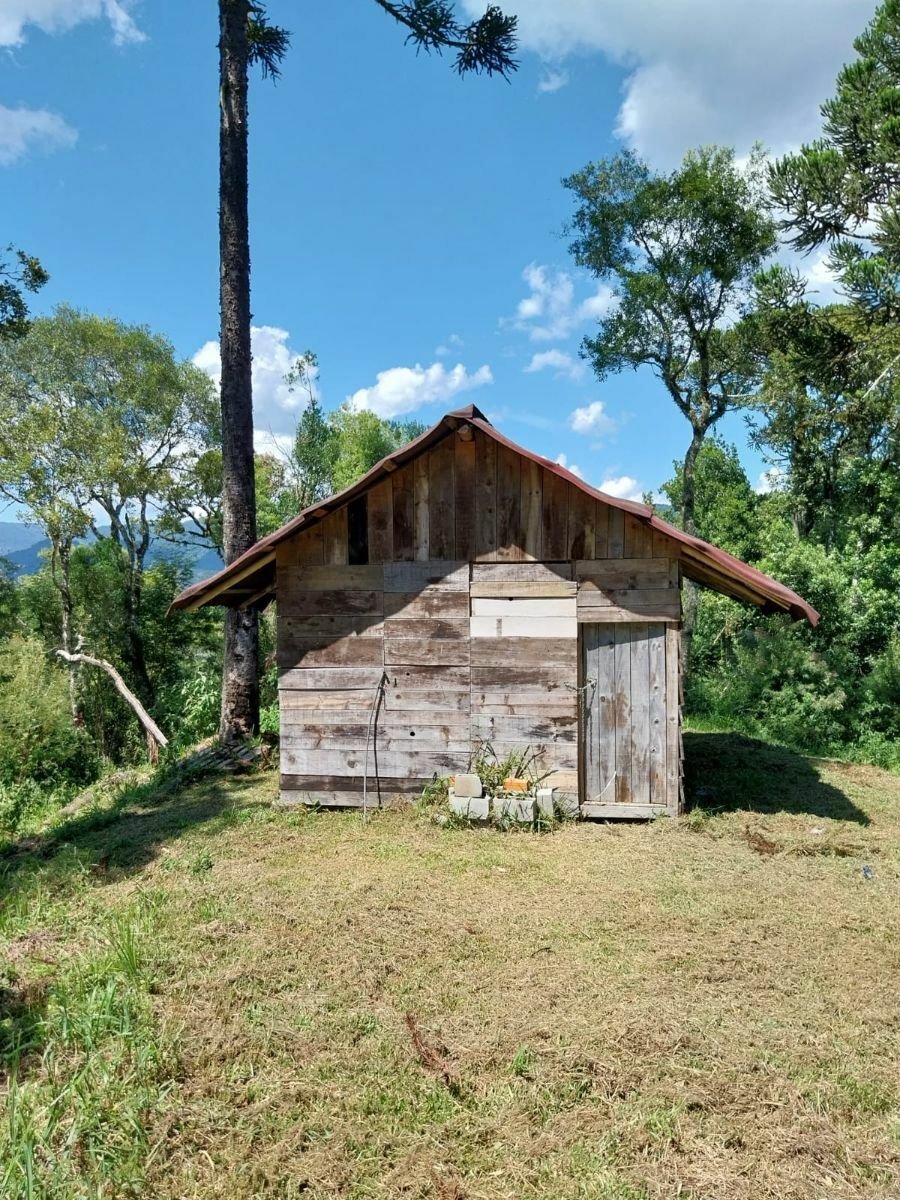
38 738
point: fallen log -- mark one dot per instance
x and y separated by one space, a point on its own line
155 736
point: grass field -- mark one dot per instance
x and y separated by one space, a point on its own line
207 997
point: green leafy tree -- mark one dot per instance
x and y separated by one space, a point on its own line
101 428
247 38
19 273
726 503
680 251
841 191
827 400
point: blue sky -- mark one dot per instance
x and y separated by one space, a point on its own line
406 225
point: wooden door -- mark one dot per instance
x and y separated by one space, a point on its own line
629 719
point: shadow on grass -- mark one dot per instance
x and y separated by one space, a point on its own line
22 1011
132 831
727 772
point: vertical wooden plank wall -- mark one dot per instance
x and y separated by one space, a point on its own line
483 564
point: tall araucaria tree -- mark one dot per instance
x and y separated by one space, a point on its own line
842 191
246 38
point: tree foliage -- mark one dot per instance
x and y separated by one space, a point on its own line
19 273
680 251
841 191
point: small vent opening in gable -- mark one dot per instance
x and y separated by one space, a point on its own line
358 530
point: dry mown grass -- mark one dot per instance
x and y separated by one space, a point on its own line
701 1008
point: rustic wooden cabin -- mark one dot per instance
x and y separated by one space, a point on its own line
468 592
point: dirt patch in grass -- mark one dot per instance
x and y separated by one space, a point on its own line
612 1013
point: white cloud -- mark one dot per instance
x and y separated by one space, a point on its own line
772 480
550 311
275 406
563 461
593 418
624 488
564 365
454 341
24 129
401 390
552 81
59 16
701 71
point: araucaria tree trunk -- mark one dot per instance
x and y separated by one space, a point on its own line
240 678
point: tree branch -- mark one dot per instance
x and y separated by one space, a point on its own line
124 691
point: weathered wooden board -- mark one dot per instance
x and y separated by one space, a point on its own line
552 756
532 572
485 496
638 538
581 514
321 679
555 516
615 546
301 604
445 714
409 764
308 546
619 812
420 496
381 521
657 713
443 702
612 615
673 721
627 573
426 652
441 518
524 627
640 715
347 785
427 678
493 727
531 497
523 651
289 798
523 607
334 537
435 627
317 702
598 706
464 494
551 677
394 738
335 578
515 589
414 576
404 511
430 602
519 702
664 600
622 700
325 625
601 530
509 505
330 652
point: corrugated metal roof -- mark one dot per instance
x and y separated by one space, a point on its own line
700 560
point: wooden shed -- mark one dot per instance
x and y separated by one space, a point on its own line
466 591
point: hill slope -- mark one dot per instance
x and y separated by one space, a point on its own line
326 1008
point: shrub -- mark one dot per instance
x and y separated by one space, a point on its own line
38 738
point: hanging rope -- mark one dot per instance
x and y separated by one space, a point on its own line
379 692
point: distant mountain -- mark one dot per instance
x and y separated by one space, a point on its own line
22 546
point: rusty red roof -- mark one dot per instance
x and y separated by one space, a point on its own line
700 560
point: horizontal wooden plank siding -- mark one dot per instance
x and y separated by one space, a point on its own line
484 570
